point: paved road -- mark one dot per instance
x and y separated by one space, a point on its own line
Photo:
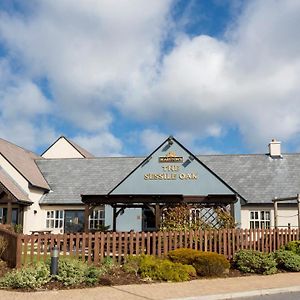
283 296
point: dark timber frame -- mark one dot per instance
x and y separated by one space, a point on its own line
156 202
9 200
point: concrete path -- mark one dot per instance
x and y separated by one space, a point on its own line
192 290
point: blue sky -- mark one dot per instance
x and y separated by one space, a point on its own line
118 77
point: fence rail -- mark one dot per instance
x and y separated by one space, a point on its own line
94 247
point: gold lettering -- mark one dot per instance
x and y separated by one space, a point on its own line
170 168
186 176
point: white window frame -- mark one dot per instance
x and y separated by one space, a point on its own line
55 219
260 219
97 218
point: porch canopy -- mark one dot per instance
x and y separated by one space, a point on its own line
13 200
170 175
155 202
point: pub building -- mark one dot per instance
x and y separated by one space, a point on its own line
67 189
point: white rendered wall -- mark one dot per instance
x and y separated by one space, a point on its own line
286 215
62 149
32 220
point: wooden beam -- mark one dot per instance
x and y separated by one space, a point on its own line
9 212
157 216
86 218
285 199
114 219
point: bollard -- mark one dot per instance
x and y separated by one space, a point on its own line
54 261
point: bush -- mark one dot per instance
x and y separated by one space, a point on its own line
205 263
249 261
210 264
158 269
28 278
3 245
184 256
288 260
92 275
293 246
74 271
132 264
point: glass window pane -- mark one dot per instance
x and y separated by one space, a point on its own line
267 215
252 215
256 215
262 215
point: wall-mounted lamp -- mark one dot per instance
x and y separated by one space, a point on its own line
170 140
35 212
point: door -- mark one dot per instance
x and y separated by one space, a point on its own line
74 221
148 220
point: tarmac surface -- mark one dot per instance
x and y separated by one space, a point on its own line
205 289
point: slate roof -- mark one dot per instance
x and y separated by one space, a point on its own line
69 178
24 161
257 178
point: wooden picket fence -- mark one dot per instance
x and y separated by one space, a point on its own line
94 247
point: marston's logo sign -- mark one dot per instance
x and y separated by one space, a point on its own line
170 157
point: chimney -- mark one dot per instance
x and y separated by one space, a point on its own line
275 149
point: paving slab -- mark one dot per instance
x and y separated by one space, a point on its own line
196 289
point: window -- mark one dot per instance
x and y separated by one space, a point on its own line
97 219
260 219
55 219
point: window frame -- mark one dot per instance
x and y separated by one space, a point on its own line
55 219
97 218
260 219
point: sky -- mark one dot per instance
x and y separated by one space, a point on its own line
119 76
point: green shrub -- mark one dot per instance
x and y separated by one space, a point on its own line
132 264
184 256
293 246
71 271
249 261
92 275
288 260
158 269
210 264
27 278
205 263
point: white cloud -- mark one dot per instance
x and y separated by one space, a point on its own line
104 55
100 144
151 139
91 52
23 110
250 80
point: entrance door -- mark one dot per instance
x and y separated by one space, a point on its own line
74 221
148 220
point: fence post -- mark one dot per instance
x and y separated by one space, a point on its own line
19 251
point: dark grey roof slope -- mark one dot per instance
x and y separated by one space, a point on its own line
257 178
69 178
